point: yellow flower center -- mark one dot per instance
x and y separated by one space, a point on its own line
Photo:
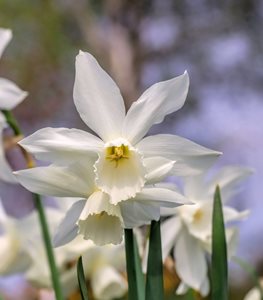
198 215
116 153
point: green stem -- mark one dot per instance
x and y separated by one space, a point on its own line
154 275
134 272
42 219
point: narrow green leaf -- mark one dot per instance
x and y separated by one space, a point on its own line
81 280
154 276
219 272
252 272
134 269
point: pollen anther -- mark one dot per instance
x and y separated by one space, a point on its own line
116 153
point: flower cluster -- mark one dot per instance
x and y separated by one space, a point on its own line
112 180
10 96
115 173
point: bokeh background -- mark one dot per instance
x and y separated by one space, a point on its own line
141 42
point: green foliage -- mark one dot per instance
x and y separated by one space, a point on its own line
154 276
134 270
219 272
81 279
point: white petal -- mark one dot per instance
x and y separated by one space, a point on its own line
62 145
138 213
10 94
231 214
107 283
120 181
68 228
5 37
97 98
190 260
155 103
228 178
189 156
161 197
157 168
57 181
5 170
169 231
101 221
182 288
253 294
205 288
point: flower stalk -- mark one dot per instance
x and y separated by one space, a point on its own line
41 213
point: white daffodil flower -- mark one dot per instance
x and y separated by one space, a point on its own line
13 258
254 294
10 96
190 230
120 150
94 216
103 267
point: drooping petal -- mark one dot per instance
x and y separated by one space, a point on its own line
228 178
182 288
157 168
161 197
57 181
97 98
120 180
169 232
101 221
138 213
5 170
192 157
107 283
155 103
5 37
190 260
62 145
68 228
231 214
10 94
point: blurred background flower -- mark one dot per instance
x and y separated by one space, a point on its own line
139 43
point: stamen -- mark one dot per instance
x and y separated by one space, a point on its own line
116 153
198 215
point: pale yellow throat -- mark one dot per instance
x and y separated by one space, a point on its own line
117 153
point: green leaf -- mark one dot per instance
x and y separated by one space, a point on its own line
154 276
81 280
219 272
252 272
134 269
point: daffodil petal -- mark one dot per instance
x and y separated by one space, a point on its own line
138 213
5 170
155 103
10 94
169 232
68 228
57 181
120 180
228 179
62 145
161 197
5 37
231 214
100 221
195 158
157 168
107 283
97 98
190 260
